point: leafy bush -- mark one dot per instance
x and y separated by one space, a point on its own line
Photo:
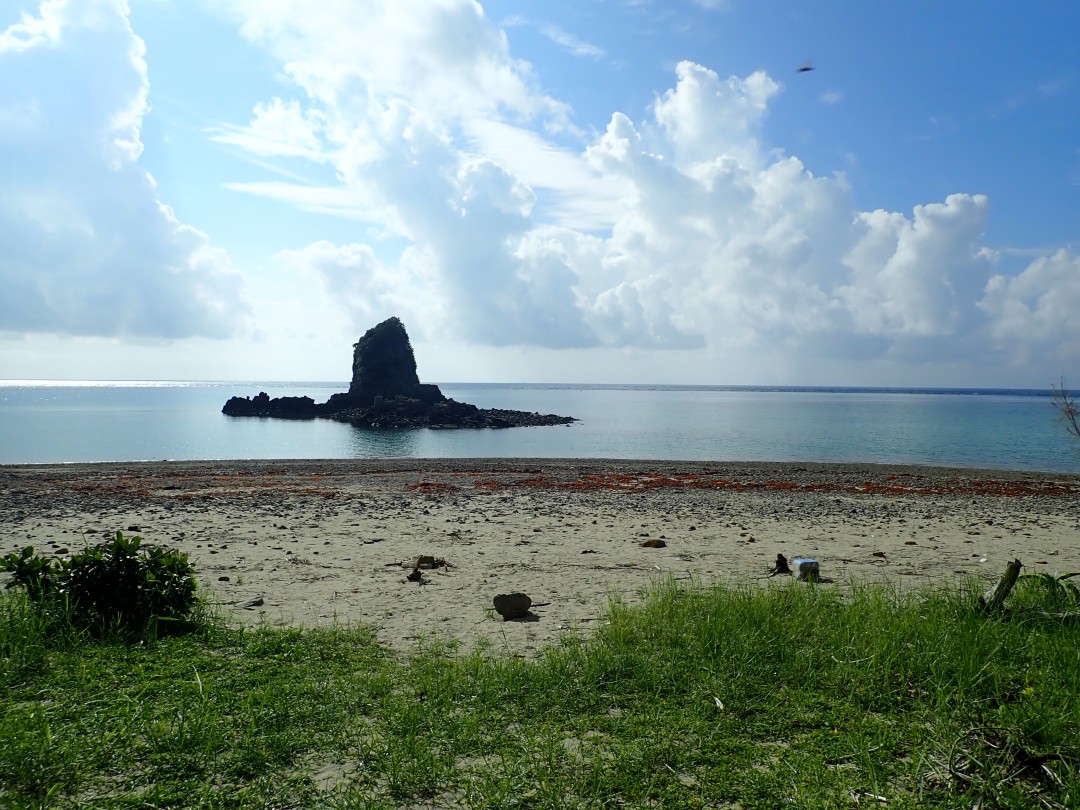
113 586
36 574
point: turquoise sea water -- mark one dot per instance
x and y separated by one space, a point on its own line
116 421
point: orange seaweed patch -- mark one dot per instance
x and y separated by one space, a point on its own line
623 482
432 487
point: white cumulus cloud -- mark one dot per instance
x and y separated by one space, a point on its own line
1033 314
444 54
677 227
89 249
919 276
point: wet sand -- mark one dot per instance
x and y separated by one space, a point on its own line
316 542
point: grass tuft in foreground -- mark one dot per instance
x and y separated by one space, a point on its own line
796 695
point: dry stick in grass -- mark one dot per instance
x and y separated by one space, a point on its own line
781 566
994 598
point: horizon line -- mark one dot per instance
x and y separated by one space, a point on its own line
143 382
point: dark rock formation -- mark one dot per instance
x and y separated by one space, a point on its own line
386 392
383 363
280 407
512 605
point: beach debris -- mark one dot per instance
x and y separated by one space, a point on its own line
512 605
456 536
806 570
858 795
419 564
654 542
994 598
781 566
1056 586
426 562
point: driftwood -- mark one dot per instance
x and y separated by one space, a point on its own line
994 599
781 566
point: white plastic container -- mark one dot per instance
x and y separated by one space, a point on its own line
806 570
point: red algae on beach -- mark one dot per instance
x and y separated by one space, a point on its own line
621 482
429 477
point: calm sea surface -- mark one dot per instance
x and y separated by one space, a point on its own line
119 421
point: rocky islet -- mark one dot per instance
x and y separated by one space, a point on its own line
386 392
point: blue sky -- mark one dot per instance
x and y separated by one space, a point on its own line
588 191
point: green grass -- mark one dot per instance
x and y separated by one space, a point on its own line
796 695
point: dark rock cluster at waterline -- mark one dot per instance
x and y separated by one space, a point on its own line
386 392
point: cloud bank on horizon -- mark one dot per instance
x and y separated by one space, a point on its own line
471 200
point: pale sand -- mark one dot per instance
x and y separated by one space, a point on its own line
324 541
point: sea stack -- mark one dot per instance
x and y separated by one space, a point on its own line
386 392
384 368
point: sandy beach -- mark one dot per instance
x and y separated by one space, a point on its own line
316 542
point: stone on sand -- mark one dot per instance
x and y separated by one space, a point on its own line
512 605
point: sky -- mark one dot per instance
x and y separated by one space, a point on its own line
580 191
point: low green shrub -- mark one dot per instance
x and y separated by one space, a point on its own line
116 586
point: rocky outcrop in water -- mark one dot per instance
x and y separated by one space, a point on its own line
279 407
386 392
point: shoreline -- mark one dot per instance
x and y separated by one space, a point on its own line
324 541
452 463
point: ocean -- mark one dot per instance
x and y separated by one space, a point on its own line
59 422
